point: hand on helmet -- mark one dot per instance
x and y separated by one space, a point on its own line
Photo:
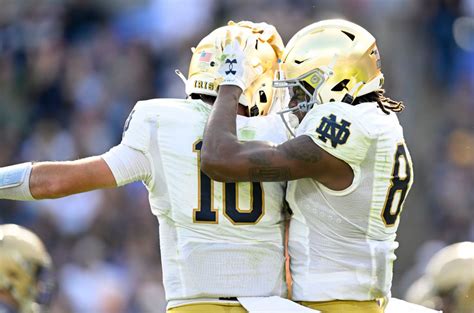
236 69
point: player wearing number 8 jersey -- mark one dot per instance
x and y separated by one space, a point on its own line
218 241
348 166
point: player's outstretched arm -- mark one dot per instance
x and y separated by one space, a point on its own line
59 179
225 158
49 180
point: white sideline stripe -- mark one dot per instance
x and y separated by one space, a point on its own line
272 305
399 306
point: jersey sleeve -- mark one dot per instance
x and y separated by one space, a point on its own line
136 132
335 128
128 165
128 161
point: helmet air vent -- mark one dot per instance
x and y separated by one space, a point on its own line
263 96
341 85
351 36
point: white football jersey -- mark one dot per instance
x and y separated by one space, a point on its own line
342 243
217 240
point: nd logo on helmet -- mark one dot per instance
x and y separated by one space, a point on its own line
330 129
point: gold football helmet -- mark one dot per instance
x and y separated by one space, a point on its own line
448 283
23 264
331 60
263 48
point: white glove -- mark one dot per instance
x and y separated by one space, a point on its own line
235 69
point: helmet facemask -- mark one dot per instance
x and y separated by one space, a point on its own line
303 92
304 89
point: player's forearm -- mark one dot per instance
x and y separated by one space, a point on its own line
220 139
47 180
50 180
252 161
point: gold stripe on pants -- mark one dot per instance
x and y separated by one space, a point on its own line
344 306
208 308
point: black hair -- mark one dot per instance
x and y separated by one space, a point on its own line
385 103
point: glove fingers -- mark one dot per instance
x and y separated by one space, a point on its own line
237 44
228 40
265 33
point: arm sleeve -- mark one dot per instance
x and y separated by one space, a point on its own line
334 128
128 164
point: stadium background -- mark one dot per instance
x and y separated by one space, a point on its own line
70 71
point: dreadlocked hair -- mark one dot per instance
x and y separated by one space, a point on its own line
384 103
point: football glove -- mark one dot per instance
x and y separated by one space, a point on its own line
236 69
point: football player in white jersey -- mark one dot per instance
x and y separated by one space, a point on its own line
348 166
24 266
218 240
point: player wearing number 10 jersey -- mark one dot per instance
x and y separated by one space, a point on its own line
348 166
218 241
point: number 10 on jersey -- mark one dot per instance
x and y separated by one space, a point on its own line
206 211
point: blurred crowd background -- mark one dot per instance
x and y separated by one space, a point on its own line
70 72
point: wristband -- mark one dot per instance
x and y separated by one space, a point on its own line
15 182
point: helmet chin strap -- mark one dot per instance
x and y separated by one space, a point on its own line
352 94
282 116
180 75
